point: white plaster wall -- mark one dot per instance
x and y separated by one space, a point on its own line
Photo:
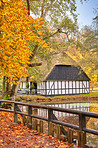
63 84
55 84
74 91
75 87
70 84
81 91
74 84
66 84
80 84
24 85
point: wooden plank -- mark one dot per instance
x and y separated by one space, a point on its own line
35 124
70 135
41 126
51 129
83 139
50 114
82 124
79 138
88 146
28 122
58 131
15 114
29 114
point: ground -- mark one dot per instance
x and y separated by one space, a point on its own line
35 99
13 135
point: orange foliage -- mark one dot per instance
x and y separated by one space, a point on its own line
15 32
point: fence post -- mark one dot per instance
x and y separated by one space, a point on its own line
15 114
35 124
30 113
41 126
51 129
58 131
50 115
82 124
70 135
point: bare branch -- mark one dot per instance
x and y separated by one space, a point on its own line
58 31
37 48
28 6
35 64
48 8
42 11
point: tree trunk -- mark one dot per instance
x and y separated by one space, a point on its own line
3 91
7 87
16 89
28 7
13 90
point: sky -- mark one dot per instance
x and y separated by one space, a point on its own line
86 11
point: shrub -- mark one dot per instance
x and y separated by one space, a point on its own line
27 85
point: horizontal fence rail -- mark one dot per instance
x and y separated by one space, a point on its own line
51 119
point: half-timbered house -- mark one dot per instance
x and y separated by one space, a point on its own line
64 80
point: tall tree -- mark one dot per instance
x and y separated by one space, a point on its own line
15 34
61 18
59 14
84 50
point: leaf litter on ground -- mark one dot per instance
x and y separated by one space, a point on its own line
13 135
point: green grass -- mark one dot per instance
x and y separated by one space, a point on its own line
35 99
92 94
95 88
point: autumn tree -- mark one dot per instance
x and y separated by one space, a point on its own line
84 50
59 15
15 34
60 18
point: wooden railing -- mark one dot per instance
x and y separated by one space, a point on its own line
82 130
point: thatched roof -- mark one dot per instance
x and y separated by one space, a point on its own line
67 72
57 59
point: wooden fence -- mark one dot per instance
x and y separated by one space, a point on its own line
58 130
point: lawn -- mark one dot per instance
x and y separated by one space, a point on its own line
35 99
